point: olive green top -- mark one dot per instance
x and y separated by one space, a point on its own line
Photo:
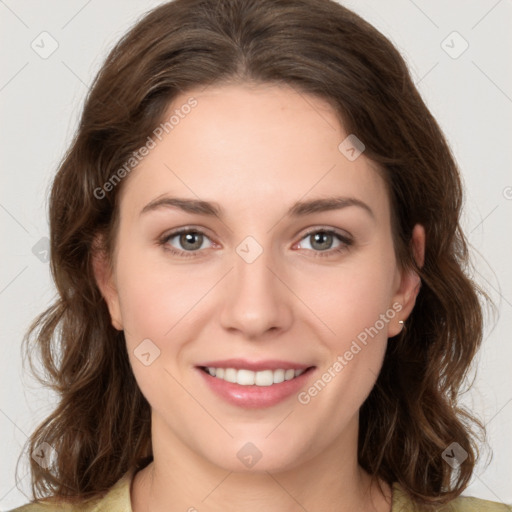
117 499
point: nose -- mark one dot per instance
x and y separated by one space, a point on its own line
257 300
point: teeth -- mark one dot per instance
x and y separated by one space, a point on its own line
250 378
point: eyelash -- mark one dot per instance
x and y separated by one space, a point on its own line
346 241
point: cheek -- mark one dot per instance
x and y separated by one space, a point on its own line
362 322
161 304
358 312
156 307
154 297
352 297
146 306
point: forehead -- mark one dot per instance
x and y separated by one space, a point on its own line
243 145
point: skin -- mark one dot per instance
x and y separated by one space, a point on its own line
255 150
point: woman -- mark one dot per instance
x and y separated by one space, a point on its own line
305 352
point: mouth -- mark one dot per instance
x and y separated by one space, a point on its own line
264 385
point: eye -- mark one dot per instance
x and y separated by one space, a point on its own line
321 241
190 239
191 242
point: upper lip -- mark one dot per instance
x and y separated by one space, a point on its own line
255 366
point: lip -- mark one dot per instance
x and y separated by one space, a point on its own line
256 366
256 397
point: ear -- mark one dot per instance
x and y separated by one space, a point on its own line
105 281
409 282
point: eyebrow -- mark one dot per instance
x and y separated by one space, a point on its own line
298 209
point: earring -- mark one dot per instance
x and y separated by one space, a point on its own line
402 324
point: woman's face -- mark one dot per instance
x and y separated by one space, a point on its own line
259 282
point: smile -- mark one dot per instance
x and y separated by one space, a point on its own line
245 377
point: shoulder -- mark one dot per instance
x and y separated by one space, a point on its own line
117 499
402 503
44 506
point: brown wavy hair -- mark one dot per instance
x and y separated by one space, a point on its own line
101 426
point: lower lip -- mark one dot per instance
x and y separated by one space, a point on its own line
255 397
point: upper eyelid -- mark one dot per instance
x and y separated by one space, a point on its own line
336 231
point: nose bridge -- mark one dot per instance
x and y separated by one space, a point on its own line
252 267
256 298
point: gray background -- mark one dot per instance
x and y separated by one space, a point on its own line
40 100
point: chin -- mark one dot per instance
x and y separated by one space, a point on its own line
257 454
